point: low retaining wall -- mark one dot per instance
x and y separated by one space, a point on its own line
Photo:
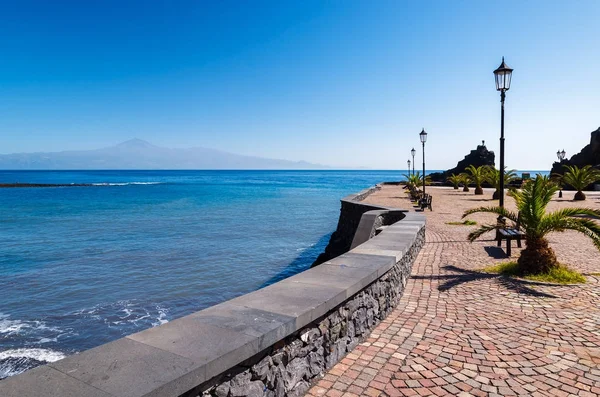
271 342
351 213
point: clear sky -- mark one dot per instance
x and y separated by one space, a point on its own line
344 83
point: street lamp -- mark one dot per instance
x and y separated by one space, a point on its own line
408 162
561 156
503 76
423 137
413 152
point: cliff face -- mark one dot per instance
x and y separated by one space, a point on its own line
477 157
589 155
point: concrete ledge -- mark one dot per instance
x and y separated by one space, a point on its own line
204 353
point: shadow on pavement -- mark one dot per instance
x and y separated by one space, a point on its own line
466 276
495 252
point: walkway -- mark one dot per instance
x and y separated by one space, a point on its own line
460 332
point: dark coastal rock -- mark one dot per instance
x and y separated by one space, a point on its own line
478 157
589 155
17 185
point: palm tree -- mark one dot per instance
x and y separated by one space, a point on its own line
493 178
559 180
454 180
580 178
536 223
464 179
415 180
477 175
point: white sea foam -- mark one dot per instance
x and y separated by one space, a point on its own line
125 183
16 361
162 316
45 355
10 327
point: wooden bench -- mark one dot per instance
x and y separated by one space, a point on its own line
509 234
425 202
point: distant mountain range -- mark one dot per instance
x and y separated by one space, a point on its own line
139 154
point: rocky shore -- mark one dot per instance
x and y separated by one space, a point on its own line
17 185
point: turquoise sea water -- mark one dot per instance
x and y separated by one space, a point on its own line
82 266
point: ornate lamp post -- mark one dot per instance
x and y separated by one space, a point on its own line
413 152
408 162
423 137
561 156
503 76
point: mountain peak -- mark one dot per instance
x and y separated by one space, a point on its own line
135 143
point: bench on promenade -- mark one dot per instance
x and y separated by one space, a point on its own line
509 234
425 202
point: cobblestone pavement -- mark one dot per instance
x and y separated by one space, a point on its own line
461 332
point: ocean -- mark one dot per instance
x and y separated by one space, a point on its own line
82 266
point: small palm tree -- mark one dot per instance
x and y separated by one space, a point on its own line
464 180
536 223
477 175
493 178
454 180
580 178
559 180
415 180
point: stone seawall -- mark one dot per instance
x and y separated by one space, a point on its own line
271 342
287 368
351 211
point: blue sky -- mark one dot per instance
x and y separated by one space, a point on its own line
345 83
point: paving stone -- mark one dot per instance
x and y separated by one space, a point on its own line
489 335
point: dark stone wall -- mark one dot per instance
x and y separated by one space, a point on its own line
288 367
350 213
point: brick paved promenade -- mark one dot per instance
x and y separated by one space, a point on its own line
457 331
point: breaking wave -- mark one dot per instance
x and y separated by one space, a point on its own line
16 361
126 183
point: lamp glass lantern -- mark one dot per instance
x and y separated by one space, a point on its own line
503 76
563 154
413 152
423 136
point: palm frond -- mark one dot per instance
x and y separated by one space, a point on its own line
586 227
579 178
569 212
477 175
475 234
494 210
493 176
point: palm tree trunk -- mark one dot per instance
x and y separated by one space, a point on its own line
478 190
496 195
579 196
537 257
466 188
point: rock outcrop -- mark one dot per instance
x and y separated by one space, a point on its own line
589 155
477 157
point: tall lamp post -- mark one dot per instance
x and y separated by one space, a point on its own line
423 137
503 76
413 152
561 156
408 162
